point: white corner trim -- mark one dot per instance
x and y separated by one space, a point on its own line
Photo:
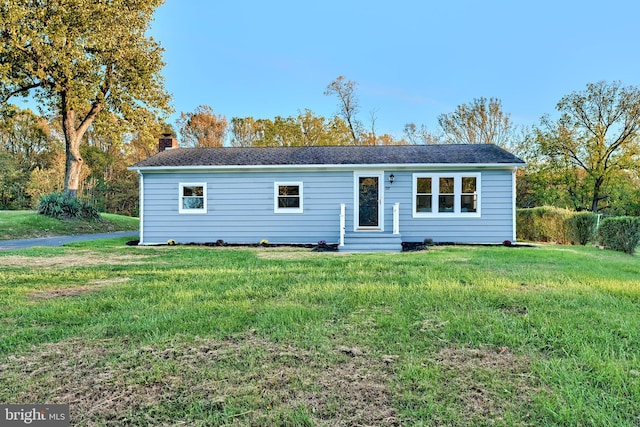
513 203
141 206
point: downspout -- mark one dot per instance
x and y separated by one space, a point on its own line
141 203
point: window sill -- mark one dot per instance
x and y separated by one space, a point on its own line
288 211
447 215
192 212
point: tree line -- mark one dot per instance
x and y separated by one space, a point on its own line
588 159
33 161
95 76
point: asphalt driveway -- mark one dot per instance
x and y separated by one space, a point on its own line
61 240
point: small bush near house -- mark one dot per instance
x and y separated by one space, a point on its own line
63 206
582 227
620 233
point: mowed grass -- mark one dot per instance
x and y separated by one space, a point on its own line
453 336
30 224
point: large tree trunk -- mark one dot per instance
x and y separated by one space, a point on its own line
73 165
596 194
72 138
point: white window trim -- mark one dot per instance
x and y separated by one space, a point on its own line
276 193
435 193
180 196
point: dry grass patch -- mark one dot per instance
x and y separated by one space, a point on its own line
294 254
243 381
72 259
290 255
468 359
486 383
92 286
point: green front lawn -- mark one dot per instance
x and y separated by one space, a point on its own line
29 224
454 336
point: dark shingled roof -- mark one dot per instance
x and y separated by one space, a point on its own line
332 155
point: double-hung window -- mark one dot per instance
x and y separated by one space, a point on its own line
469 195
287 197
446 195
192 198
423 194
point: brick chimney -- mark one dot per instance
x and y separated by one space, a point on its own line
167 142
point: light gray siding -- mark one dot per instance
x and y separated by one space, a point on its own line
240 209
493 226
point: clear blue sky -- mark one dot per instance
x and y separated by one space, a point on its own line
412 60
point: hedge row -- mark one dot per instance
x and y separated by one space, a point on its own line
549 224
620 233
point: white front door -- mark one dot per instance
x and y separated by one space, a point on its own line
368 201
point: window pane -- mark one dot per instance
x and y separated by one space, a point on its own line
288 190
469 185
445 203
424 185
468 203
193 203
289 202
446 185
193 191
423 204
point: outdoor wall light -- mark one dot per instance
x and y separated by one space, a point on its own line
391 178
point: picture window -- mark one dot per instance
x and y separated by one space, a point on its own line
446 195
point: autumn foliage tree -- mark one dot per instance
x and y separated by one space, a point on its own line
203 128
306 129
597 137
348 105
26 144
318 130
79 58
419 135
482 121
348 109
26 136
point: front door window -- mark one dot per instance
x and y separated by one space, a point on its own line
369 199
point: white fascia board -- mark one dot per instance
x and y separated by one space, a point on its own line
279 168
